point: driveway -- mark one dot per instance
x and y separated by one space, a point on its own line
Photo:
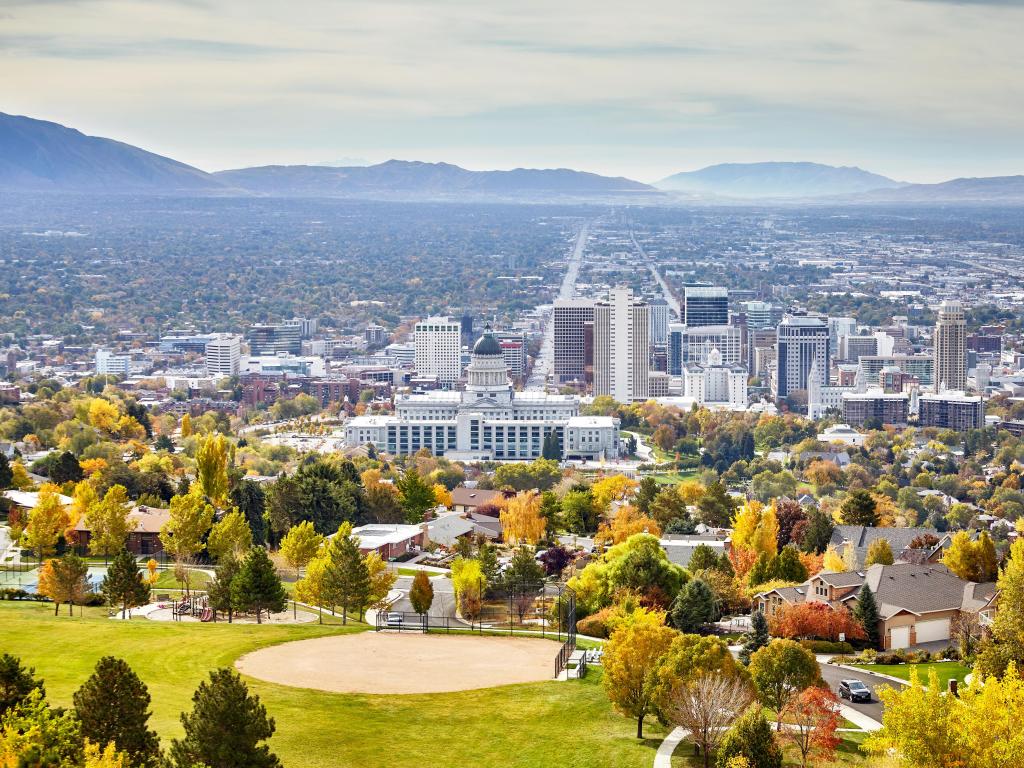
833 675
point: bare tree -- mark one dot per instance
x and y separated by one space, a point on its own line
706 706
966 632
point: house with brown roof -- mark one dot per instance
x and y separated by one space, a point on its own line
917 603
144 538
468 499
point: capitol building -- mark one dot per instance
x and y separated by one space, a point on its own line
487 421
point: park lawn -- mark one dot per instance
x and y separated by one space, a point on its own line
522 726
946 670
166 580
674 478
848 755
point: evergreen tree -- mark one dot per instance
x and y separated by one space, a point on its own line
693 607
703 558
252 502
417 495
421 594
818 532
750 737
788 566
859 508
65 468
551 448
756 638
257 587
16 682
219 591
763 569
225 727
123 585
348 577
6 473
113 706
487 554
645 494
866 613
716 507
524 572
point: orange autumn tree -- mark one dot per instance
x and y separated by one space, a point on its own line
813 717
628 520
815 621
521 519
755 532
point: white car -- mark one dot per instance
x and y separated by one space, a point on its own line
394 620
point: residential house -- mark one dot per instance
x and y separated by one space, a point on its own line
144 538
468 499
900 539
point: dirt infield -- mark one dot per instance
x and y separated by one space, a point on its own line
383 662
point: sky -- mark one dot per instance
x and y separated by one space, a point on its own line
919 90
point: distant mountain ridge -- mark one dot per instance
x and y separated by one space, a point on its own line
776 180
987 189
404 178
37 155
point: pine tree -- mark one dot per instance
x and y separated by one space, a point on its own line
859 508
866 612
756 638
123 585
65 469
225 727
6 473
219 591
763 570
348 576
16 682
257 587
551 448
818 532
421 594
113 706
693 607
788 566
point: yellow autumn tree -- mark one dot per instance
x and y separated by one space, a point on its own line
186 426
521 519
47 521
103 415
107 757
690 491
612 488
756 529
212 459
628 520
833 561
82 499
442 495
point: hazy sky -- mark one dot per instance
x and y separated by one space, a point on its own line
920 90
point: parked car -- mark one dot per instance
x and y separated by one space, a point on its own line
854 690
394 620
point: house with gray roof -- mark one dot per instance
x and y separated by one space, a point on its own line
861 537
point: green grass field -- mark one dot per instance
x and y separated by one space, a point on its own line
946 670
524 726
848 755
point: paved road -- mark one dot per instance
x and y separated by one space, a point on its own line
834 674
545 359
444 596
673 303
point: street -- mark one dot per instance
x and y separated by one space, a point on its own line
833 675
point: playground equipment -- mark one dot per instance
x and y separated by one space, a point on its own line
196 604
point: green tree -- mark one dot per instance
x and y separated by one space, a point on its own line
124 585
251 501
421 594
879 552
1007 642
219 590
579 513
551 448
818 532
750 737
348 577
645 494
524 572
780 671
789 567
763 569
6 473
40 736
703 558
64 580
16 682
65 469
859 508
230 537
757 638
716 507
257 587
693 608
540 474
417 495
865 611
113 706
225 727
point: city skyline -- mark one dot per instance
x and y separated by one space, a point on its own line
918 90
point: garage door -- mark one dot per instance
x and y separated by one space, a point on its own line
930 631
899 638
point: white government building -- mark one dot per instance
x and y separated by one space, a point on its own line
487 421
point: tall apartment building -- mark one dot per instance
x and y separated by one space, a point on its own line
438 345
266 340
801 342
875 404
693 345
921 366
622 347
223 355
112 363
705 305
513 347
951 410
950 342
571 318
659 322
375 335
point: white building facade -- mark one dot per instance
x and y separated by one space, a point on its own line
716 383
224 355
438 345
487 421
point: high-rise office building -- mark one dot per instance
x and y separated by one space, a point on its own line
762 314
622 347
950 342
659 322
705 305
571 316
438 344
223 355
267 340
802 341
839 327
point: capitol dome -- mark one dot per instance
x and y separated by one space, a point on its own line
487 344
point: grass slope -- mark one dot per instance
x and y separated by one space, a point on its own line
946 670
522 726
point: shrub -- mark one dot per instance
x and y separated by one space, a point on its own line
827 646
952 653
868 656
891 658
595 625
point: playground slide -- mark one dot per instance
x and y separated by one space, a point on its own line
207 615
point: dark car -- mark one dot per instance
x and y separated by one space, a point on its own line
854 690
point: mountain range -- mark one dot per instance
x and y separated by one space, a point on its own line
37 156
